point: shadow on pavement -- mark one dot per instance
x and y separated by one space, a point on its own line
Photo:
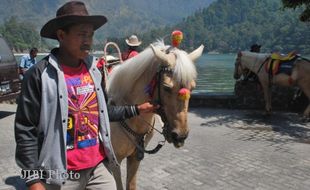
4 114
16 182
284 123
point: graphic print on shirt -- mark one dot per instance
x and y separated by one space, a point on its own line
82 130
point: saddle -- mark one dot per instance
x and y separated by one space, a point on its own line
281 63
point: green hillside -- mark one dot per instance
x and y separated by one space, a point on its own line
224 26
232 25
124 16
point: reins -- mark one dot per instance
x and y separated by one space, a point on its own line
139 143
261 66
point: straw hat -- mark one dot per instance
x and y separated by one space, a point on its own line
133 41
73 12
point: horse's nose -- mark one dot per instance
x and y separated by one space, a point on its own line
178 138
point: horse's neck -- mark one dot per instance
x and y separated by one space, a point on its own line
253 63
142 123
138 92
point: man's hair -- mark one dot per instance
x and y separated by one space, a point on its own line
34 49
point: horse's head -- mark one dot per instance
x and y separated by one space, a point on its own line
176 79
239 69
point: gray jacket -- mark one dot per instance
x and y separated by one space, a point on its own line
41 120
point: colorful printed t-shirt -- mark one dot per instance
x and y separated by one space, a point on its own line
83 147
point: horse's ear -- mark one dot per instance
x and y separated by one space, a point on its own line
161 55
196 53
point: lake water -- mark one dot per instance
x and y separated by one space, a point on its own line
215 73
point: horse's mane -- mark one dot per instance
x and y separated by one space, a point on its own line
184 71
124 77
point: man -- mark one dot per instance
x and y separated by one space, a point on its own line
27 61
62 121
132 47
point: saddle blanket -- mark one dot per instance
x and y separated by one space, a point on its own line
278 65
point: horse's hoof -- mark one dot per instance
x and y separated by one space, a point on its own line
267 113
305 119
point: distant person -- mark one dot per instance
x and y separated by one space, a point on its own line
27 61
255 48
132 47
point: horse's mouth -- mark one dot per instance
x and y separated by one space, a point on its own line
177 144
176 140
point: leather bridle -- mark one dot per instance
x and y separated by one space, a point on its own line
161 112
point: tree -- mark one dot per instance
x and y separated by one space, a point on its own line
21 36
305 15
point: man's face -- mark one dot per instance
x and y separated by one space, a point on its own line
77 40
33 54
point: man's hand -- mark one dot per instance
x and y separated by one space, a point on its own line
22 70
147 107
37 186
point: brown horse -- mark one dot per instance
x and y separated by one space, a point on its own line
255 62
159 74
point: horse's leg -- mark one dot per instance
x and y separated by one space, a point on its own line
307 111
306 90
267 97
133 165
303 82
132 169
117 176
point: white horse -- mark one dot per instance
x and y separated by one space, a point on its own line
157 74
256 63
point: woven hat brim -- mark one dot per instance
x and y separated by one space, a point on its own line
50 28
133 44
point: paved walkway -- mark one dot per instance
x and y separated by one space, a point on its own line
226 149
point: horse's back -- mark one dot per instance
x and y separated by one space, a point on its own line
303 66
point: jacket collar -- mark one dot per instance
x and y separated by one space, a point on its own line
53 59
